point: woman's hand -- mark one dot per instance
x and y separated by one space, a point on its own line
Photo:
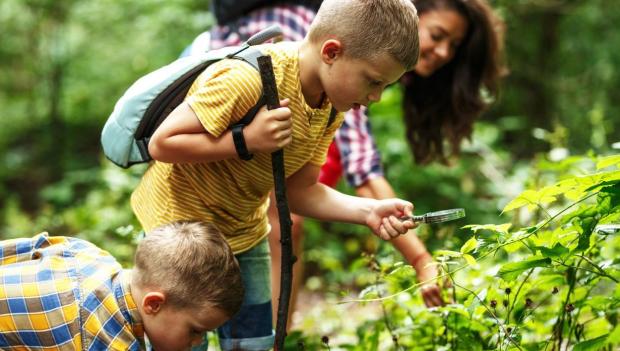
427 272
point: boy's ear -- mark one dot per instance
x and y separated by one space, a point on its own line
331 50
153 301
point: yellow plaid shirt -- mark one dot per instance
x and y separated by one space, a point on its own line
60 293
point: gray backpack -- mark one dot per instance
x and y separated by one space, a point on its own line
142 108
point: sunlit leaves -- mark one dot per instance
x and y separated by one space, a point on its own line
469 245
556 251
499 228
511 271
608 161
572 188
469 259
592 344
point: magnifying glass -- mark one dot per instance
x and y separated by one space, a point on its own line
438 216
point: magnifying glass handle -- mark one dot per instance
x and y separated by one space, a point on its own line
414 218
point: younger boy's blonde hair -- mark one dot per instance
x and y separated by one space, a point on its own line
192 264
368 28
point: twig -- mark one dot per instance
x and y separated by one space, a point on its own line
270 92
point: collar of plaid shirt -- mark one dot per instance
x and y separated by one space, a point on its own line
64 293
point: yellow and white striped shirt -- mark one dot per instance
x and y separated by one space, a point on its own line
233 194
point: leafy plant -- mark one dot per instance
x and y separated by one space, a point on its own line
546 281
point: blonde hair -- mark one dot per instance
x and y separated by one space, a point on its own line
192 264
368 28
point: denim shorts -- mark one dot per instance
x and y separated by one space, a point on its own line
251 328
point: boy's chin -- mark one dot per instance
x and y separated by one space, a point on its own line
346 107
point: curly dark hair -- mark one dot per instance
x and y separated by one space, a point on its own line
445 105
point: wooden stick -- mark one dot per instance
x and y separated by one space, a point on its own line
270 92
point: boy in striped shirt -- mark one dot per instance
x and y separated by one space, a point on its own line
63 293
354 49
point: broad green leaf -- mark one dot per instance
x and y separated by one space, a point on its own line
469 245
608 161
592 344
587 225
612 193
511 271
470 259
479 311
500 228
527 197
603 184
548 194
555 251
513 247
544 196
614 336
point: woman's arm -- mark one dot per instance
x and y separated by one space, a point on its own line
410 246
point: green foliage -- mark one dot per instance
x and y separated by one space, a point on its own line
533 284
64 63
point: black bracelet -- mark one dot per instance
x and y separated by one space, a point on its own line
239 140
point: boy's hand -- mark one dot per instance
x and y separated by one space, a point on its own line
384 218
270 130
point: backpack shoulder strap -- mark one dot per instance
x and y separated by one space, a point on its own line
250 55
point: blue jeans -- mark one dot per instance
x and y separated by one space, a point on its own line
251 328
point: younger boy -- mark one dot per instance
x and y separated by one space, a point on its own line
354 49
62 293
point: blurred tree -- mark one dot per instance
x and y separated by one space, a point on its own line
562 75
64 64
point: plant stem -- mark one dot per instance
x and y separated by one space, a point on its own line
499 323
514 301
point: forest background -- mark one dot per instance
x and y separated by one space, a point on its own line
63 65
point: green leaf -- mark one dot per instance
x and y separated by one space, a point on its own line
608 161
612 193
528 197
555 251
592 344
500 228
614 336
511 271
587 226
470 245
447 253
513 246
470 259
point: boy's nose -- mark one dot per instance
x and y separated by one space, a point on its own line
375 96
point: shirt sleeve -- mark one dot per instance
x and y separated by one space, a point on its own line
223 94
22 249
361 160
320 153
